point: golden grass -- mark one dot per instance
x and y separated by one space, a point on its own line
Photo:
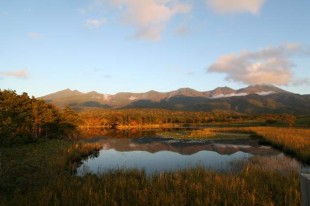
37 174
204 133
201 134
290 140
253 186
294 141
194 134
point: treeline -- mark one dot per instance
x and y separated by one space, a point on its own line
25 119
286 119
97 118
135 117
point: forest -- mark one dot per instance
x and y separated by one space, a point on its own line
24 119
100 118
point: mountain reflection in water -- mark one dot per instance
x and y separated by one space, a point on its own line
157 154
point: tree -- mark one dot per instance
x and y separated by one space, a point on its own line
68 122
15 116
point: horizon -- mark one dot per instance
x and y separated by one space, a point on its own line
86 92
110 46
145 91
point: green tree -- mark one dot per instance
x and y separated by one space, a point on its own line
26 119
15 119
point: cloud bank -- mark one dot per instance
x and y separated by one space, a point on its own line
267 66
149 17
236 6
17 74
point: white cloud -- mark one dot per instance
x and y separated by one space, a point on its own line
236 6
132 98
267 66
149 17
95 23
18 74
229 95
34 35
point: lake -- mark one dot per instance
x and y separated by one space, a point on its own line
152 153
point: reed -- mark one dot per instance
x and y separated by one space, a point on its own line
293 141
290 140
38 175
253 186
41 174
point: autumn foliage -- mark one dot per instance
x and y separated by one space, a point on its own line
25 119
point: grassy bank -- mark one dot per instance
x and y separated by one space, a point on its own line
30 167
293 141
203 134
290 140
41 174
190 187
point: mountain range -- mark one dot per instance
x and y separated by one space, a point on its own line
159 144
251 99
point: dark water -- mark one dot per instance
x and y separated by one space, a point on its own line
156 154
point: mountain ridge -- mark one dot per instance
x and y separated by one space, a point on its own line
180 91
251 99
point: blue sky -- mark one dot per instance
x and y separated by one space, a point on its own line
111 46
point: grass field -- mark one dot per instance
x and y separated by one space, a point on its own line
41 174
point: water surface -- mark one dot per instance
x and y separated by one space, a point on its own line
153 154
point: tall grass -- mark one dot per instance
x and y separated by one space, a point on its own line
38 174
294 141
290 140
254 186
29 167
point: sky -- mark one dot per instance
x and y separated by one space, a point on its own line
112 46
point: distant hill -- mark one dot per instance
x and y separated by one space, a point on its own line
252 99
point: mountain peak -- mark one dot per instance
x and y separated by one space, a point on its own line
152 91
225 87
185 89
94 93
185 92
63 96
67 92
220 92
261 88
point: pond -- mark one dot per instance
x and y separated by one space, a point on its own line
153 153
